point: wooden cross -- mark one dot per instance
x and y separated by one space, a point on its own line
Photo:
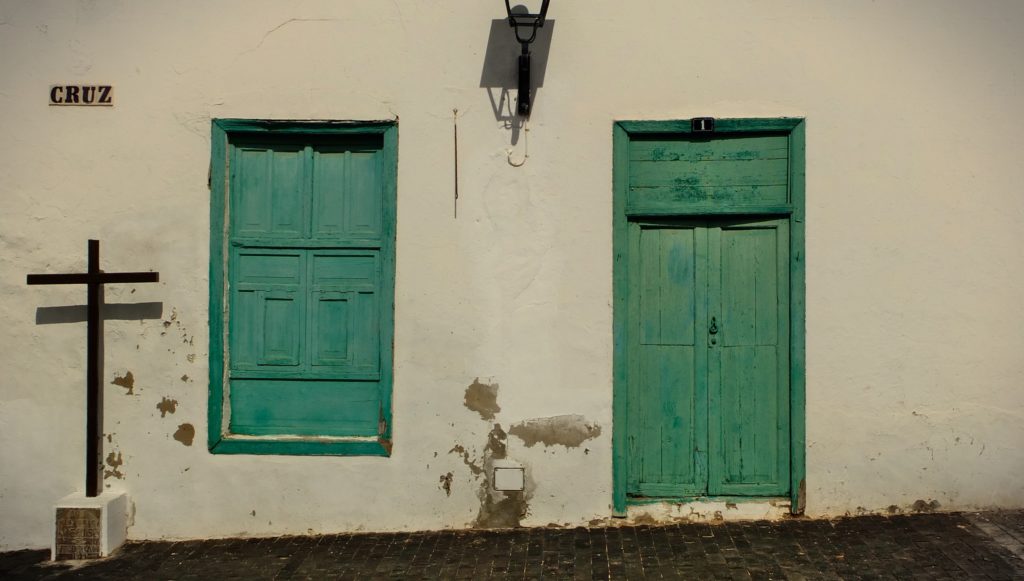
94 280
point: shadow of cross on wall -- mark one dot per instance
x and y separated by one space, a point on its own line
94 280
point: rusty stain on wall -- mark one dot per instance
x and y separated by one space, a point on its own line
127 382
167 406
446 483
185 434
568 430
482 398
115 462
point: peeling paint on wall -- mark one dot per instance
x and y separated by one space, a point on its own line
568 430
115 461
127 382
473 466
500 509
923 506
167 406
496 442
446 483
185 434
483 399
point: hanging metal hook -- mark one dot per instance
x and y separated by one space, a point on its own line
526 148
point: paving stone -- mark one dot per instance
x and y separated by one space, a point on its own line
926 546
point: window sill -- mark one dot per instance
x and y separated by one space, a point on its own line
301 446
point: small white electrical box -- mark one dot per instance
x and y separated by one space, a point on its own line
508 475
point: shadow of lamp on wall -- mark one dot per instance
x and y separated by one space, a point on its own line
509 63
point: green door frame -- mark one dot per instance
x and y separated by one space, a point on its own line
623 131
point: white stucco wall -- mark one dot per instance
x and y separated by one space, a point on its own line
915 257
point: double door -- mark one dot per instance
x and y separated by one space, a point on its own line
708 386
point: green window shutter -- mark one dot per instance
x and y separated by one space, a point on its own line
308 283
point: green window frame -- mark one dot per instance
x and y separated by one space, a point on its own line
302 271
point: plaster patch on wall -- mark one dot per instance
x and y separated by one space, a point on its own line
568 430
482 398
127 382
115 462
185 434
167 406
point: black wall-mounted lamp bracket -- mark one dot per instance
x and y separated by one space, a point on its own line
525 26
523 101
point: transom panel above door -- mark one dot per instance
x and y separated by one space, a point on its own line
708 311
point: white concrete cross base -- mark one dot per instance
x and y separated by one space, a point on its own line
89 528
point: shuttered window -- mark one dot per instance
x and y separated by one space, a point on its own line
303 271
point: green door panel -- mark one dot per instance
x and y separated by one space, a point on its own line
708 411
667 446
722 148
749 362
668 174
666 286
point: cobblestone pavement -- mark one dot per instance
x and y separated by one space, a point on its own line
924 546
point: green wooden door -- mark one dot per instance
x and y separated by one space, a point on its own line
708 372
